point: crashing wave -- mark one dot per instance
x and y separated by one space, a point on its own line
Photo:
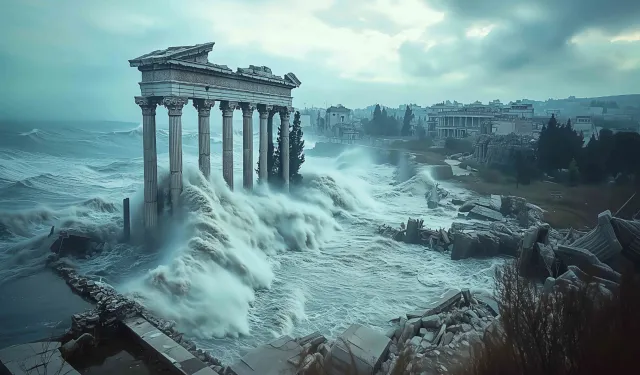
223 255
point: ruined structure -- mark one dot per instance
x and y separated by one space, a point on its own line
501 150
173 76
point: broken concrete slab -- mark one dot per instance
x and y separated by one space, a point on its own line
440 172
489 243
586 261
273 358
465 245
602 240
483 213
440 334
165 348
34 358
431 321
489 302
449 299
362 345
415 314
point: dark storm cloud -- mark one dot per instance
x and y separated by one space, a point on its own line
526 34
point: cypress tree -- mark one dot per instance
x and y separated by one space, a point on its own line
296 150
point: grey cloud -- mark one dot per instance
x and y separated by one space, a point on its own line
531 41
524 38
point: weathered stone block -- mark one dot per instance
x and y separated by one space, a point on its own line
464 245
432 321
273 358
367 347
483 213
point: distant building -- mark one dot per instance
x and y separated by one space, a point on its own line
596 111
346 133
520 110
505 125
462 123
305 121
337 115
585 125
555 112
443 107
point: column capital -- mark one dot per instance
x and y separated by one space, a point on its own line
285 112
147 104
272 112
247 109
228 107
174 104
203 106
264 109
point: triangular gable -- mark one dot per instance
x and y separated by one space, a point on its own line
198 52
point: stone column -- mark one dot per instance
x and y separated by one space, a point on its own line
204 134
264 111
227 109
270 147
148 106
247 145
284 151
174 105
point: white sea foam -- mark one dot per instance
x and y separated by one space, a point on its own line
235 269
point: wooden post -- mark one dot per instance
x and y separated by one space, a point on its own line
127 219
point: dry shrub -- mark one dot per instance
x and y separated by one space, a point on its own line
569 331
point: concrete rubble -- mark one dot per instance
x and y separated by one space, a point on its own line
494 226
596 257
440 337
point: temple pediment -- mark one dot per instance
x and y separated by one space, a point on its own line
198 53
292 79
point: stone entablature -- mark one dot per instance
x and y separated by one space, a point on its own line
186 71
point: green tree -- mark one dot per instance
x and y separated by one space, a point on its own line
296 150
406 122
377 121
420 130
275 173
574 173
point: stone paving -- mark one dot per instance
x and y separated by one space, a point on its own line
34 358
172 352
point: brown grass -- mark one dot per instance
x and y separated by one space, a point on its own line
579 206
573 331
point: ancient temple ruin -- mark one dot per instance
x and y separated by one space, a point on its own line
501 150
173 76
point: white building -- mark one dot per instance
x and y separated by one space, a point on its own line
305 121
520 110
337 115
459 124
503 125
443 107
584 125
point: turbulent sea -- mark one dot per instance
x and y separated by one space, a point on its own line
236 269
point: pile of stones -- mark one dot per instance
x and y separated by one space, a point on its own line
442 335
578 259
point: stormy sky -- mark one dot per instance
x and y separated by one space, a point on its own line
67 59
